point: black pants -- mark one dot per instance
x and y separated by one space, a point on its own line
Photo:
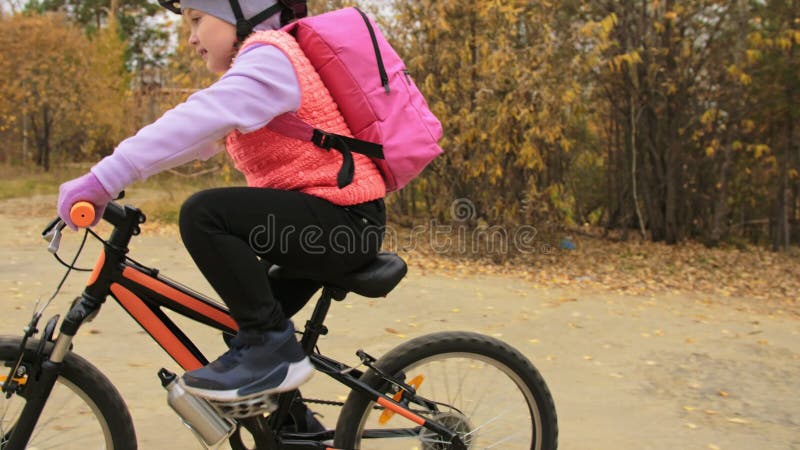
235 234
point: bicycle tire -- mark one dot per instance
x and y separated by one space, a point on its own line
88 384
475 350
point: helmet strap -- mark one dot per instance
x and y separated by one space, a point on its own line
244 27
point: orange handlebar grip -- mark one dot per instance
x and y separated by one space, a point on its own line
82 214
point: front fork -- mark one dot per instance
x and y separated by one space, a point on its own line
37 391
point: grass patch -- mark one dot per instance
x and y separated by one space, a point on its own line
160 197
27 181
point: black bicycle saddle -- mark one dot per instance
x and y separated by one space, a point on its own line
376 279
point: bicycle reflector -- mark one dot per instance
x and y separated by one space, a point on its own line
20 380
82 214
388 414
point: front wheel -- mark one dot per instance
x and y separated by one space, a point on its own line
475 385
84 410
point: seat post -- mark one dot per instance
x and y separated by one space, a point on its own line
313 330
315 325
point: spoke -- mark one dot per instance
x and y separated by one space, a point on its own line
5 411
433 441
53 416
504 440
3 418
67 408
479 402
492 420
433 381
4 437
69 440
447 384
460 386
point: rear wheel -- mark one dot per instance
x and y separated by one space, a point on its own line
84 410
478 387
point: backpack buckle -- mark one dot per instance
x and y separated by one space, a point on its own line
322 139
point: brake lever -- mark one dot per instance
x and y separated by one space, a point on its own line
53 234
50 226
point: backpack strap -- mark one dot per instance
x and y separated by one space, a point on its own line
288 124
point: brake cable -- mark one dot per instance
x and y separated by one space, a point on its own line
70 267
9 386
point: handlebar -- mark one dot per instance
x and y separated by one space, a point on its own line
125 219
82 214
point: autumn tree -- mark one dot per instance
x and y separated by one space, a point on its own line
147 39
771 72
316 7
65 92
490 73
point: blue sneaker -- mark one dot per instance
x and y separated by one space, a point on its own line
254 366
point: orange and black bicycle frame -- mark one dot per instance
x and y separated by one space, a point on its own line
144 294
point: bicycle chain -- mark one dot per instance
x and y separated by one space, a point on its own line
330 402
322 402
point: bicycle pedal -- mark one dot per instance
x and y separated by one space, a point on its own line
240 409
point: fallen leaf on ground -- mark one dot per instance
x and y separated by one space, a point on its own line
737 420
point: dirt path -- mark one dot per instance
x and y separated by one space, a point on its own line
667 372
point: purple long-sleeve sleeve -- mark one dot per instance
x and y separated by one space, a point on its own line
260 85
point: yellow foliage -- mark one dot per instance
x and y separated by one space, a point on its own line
568 96
753 56
70 85
745 79
783 43
760 150
709 116
631 59
755 39
608 23
671 88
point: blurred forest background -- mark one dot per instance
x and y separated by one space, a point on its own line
663 120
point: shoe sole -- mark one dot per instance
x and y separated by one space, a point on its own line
299 372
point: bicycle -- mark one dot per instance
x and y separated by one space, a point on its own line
452 390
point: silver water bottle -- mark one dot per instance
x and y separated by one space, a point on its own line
195 412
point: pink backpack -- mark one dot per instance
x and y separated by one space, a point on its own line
387 114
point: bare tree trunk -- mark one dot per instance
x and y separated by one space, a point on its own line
720 205
48 119
610 167
780 239
634 119
671 146
42 138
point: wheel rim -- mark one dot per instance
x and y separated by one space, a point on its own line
489 399
70 419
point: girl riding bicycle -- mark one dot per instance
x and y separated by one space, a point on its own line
293 211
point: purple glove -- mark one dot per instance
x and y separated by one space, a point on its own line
86 188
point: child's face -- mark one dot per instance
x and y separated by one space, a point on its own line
212 38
